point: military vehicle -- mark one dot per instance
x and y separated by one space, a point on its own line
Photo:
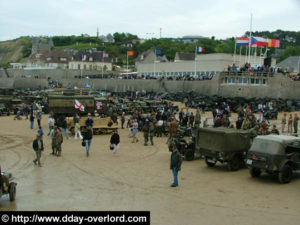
225 145
4 110
11 187
62 105
274 154
184 144
100 125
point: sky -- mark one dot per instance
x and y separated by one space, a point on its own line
146 18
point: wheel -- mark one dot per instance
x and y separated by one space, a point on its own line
285 174
12 191
235 163
255 172
189 155
209 164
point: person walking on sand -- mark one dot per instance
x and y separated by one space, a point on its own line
38 147
31 119
135 127
87 138
283 123
114 141
151 132
290 123
175 165
77 131
295 123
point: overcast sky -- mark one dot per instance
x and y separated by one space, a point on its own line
219 18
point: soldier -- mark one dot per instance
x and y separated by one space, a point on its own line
123 120
173 129
38 147
57 140
225 121
198 119
274 130
296 118
191 120
146 133
290 122
151 132
283 123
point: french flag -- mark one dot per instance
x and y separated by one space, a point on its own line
199 49
242 41
84 57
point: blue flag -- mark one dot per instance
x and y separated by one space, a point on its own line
158 51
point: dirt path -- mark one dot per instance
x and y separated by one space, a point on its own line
138 178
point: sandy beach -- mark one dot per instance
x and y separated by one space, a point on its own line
139 178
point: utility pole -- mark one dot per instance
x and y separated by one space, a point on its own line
160 31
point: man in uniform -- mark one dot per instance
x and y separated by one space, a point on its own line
296 118
151 132
57 140
283 123
146 133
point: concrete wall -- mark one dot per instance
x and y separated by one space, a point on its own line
277 87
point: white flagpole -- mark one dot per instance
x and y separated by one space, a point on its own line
127 64
234 52
250 39
102 62
154 61
240 56
246 54
195 59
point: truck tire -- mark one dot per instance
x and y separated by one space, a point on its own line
255 172
189 155
12 191
235 163
209 164
285 174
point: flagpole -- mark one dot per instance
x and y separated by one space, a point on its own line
240 56
250 39
246 53
195 59
234 51
102 62
127 64
154 61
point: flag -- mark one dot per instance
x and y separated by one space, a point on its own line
78 105
199 49
84 57
242 41
130 53
259 42
105 55
275 43
158 51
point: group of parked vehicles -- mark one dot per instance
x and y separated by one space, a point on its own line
274 154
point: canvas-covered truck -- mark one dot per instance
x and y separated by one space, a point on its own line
225 145
63 105
274 154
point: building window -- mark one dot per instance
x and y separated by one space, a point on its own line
264 82
48 59
91 67
243 80
78 66
63 59
230 80
84 67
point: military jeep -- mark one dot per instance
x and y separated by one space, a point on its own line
225 145
274 154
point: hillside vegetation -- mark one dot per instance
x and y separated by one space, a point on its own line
18 50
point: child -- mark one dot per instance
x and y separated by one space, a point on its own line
77 130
